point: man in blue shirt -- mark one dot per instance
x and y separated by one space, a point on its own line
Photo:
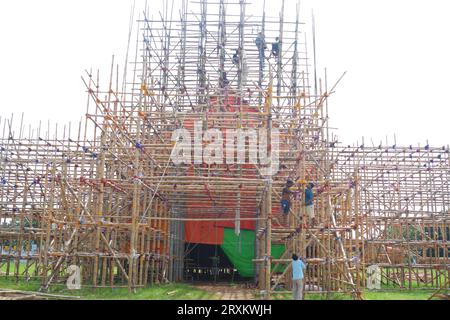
261 45
309 204
297 277
276 47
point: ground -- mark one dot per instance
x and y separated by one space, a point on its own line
201 291
228 291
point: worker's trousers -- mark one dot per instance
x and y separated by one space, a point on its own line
297 289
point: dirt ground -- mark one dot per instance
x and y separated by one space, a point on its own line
229 292
8 294
11 295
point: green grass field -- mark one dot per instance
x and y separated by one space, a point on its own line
379 295
160 292
188 292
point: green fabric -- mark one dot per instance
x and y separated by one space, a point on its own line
241 250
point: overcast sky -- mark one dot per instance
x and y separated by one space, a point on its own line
396 54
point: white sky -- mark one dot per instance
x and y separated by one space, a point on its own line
396 54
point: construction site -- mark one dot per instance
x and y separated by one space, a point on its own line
126 200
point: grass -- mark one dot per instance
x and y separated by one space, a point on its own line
10 283
160 292
368 295
187 292
399 295
157 292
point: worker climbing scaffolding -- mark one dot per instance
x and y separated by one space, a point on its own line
309 205
275 48
261 45
236 58
286 197
289 194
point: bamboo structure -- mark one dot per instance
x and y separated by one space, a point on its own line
108 196
405 204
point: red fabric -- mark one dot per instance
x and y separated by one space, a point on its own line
245 225
203 232
211 232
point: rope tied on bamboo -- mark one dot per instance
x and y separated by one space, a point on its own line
139 146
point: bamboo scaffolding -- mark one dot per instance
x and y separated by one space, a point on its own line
105 195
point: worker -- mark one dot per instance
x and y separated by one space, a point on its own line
236 58
309 204
286 196
298 266
224 80
260 44
276 47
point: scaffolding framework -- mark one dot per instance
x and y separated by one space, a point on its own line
107 195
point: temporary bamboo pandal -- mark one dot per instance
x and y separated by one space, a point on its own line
108 197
